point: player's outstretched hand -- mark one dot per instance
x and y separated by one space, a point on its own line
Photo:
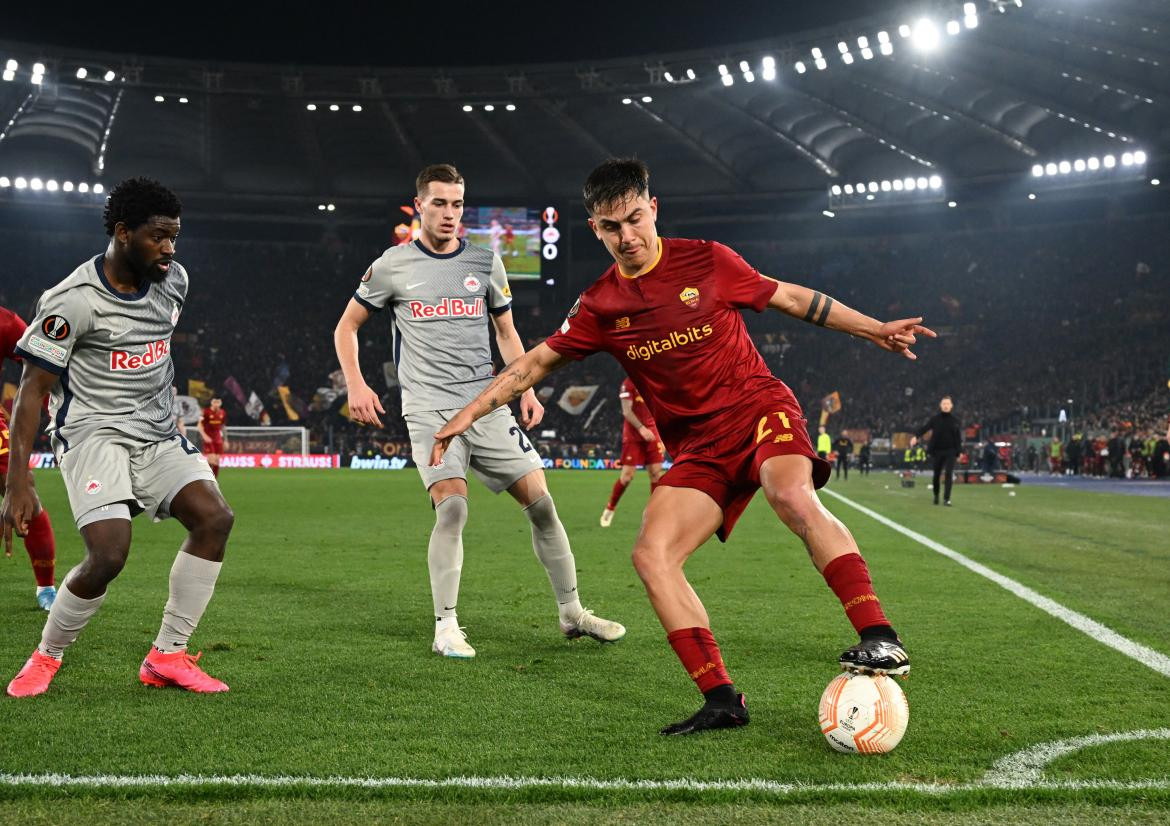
20 505
364 405
898 336
647 434
531 410
447 432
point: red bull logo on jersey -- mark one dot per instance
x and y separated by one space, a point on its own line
155 352
677 338
447 308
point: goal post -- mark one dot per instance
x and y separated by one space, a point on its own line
266 440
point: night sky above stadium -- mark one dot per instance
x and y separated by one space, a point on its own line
414 34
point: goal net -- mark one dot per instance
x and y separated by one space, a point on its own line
266 440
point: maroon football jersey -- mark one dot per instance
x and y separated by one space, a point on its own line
678 333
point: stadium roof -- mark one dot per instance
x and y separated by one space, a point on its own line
968 92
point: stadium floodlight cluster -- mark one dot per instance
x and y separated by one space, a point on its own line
35 184
644 99
1054 169
326 207
163 99
491 107
313 107
924 35
911 188
11 67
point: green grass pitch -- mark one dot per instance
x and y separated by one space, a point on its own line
321 624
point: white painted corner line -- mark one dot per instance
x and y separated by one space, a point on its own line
1145 655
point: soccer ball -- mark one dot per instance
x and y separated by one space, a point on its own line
863 715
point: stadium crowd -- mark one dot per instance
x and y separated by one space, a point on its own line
1031 321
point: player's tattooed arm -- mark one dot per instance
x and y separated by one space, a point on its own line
523 373
817 308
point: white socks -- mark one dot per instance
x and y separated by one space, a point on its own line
67 617
445 555
551 544
192 583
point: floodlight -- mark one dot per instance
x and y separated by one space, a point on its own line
836 189
867 54
4 182
1127 159
887 49
98 189
109 75
312 107
1139 157
910 184
36 184
20 183
1065 167
83 187
184 100
952 204
646 98
159 98
38 68
51 185
67 186
847 58
821 64
744 66
885 186
828 213
904 30
1079 164
897 184
487 107
11 65
728 80
925 37
843 47
816 52
357 107
81 73
953 27
1038 171
330 207
848 189
800 68
333 107
1109 162
935 182
511 107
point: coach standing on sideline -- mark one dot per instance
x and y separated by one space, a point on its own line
946 441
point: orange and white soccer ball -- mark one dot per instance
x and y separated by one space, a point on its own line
863 715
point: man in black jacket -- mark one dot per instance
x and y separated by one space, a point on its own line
946 440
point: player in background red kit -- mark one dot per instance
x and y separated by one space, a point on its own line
38 539
211 431
641 445
669 312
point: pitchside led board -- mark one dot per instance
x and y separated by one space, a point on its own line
529 240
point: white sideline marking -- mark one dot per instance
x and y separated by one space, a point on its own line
1102 634
1025 768
771 787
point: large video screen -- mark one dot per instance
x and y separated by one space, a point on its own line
513 233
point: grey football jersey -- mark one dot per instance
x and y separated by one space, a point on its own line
112 352
439 328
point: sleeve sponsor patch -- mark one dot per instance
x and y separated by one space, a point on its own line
46 348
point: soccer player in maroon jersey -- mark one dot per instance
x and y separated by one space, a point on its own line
211 432
641 445
669 312
38 539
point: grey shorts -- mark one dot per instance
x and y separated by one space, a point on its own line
495 448
109 467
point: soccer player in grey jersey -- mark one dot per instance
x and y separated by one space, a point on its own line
440 289
100 342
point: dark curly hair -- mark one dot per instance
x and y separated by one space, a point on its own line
134 201
613 180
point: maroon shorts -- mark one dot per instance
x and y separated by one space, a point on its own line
728 468
637 451
213 447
